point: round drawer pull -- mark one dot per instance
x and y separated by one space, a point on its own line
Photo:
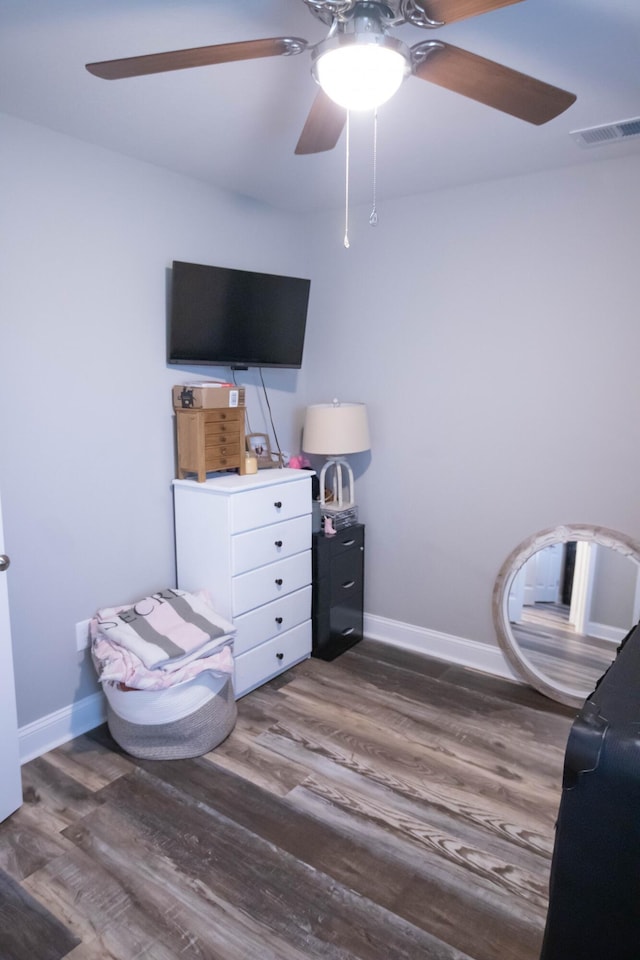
278 504
278 543
280 656
348 631
278 619
348 584
279 581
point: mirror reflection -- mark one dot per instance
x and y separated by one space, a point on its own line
570 606
563 602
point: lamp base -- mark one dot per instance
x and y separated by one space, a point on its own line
332 470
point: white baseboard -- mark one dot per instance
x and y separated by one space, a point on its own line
603 631
442 646
48 732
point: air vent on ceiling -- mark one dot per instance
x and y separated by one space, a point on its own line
607 133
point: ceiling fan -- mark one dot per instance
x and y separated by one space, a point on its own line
360 52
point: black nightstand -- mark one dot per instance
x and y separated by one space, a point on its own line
338 590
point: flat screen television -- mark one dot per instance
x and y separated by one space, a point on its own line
225 317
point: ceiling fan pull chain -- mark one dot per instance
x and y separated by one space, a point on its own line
346 184
373 218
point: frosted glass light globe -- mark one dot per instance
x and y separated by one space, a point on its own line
360 76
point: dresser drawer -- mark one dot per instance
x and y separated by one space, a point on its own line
265 505
265 584
271 620
271 658
268 544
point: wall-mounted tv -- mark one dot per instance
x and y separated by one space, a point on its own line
236 318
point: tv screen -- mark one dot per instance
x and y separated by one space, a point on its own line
236 318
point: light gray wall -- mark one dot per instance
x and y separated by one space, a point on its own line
614 589
85 405
493 331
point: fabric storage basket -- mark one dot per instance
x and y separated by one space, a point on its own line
185 720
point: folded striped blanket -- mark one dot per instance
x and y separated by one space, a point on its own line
165 630
115 664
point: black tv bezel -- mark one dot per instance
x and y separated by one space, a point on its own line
234 362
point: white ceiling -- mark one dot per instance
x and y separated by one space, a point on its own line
236 125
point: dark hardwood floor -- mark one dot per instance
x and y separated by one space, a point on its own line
381 807
555 649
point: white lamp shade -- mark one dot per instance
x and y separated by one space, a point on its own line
335 429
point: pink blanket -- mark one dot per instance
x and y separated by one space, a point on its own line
165 630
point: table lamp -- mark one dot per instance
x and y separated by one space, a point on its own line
336 430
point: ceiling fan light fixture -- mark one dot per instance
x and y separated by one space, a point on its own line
360 72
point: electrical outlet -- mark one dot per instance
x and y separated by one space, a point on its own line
82 635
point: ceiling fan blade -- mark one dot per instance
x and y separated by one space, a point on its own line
324 125
448 11
196 57
491 83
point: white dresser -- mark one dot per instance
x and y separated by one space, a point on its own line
247 540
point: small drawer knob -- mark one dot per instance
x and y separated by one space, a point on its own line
280 656
278 543
278 504
279 581
278 619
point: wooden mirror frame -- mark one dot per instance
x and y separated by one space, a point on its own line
522 667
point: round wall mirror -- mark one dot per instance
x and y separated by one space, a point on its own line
562 603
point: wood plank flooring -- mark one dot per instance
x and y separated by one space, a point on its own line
380 807
555 649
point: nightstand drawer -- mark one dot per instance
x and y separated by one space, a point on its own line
266 505
346 622
265 584
268 544
347 576
271 658
271 620
327 550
